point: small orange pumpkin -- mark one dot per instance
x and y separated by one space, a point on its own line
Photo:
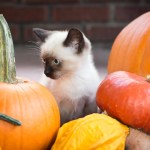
36 113
126 97
131 49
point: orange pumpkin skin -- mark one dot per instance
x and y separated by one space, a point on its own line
126 97
33 105
131 49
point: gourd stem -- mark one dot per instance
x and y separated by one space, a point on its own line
7 59
10 120
7 62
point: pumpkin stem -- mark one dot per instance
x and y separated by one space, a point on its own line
10 120
148 78
7 59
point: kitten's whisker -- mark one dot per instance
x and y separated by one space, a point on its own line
35 49
35 43
33 53
32 46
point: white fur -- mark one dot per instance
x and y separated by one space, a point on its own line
80 82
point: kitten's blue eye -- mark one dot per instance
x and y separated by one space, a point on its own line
56 61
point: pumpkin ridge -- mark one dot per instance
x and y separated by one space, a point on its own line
55 109
118 47
21 137
144 39
4 111
36 93
53 106
27 100
4 116
129 46
54 103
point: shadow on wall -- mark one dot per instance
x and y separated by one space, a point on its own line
100 20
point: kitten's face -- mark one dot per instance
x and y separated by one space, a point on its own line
53 67
62 52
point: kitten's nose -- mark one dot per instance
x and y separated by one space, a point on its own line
47 71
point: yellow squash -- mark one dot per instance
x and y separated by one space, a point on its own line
93 132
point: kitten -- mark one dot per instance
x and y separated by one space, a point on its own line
69 71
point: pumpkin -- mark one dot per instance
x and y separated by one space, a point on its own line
29 115
126 97
131 49
93 132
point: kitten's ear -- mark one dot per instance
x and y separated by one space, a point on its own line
41 33
75 39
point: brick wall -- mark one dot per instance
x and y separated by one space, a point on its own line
100 20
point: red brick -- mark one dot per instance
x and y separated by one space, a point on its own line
68 1
102 33
39 1
111 1
15 32
24 14
49 1
128 13
7 1
80 13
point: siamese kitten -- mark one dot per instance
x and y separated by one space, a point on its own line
69 71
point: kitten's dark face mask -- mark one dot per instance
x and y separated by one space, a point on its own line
52 68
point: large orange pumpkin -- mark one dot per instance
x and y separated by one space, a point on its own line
131 49
126 96
29 115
